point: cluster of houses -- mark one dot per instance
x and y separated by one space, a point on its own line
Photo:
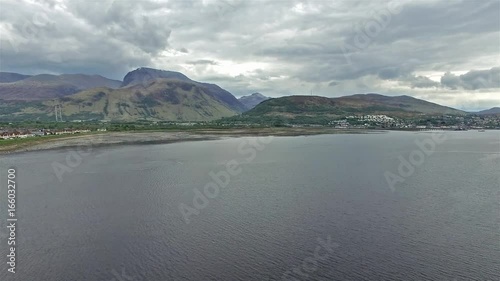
362 121
28 133
445 122
372 118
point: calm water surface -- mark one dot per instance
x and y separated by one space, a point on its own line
116 215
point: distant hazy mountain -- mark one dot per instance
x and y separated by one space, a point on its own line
252 100
357 104
7 77
144 75
81 81
494 110
47 86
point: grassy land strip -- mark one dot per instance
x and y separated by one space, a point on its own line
16 144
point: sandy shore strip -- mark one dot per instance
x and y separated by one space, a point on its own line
127 138
105 139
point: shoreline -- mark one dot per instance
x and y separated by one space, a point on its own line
110 139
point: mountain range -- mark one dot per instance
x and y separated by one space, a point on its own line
144 93
47 86
6 77
152 94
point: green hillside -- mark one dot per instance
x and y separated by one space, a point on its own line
293 106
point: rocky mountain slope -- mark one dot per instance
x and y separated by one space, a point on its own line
156 100
144 75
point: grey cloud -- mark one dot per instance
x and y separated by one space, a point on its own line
389 73
451 81
133 22
422 82
473 80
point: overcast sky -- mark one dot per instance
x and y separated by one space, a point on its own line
443 51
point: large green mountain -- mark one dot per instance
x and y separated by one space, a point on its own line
312 106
